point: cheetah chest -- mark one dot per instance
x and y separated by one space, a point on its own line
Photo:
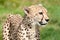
26 33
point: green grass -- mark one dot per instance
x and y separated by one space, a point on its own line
52 29
50 32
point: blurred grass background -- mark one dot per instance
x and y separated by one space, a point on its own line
52 29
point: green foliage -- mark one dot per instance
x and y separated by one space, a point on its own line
51 32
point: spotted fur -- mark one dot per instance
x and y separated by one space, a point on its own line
27 27
10 26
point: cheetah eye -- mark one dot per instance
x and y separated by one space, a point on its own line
40 13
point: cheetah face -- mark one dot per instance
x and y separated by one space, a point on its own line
38 13
41 18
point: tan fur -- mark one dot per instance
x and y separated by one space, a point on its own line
11 26
27 27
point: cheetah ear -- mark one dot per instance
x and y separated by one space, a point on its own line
40 4
26 10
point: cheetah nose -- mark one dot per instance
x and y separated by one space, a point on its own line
46 20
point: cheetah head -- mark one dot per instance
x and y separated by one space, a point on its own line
38 13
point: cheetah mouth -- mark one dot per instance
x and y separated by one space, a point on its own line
42 23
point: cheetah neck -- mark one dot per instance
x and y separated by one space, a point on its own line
27 20
29 29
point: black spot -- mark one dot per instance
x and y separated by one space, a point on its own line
25 28
7 28
5 31
7 24
10 38
27 32
35 35
28 36
6 39
9 32
8 35
28 24
6 21
5 34
30 27
3 38
40 13
21 29
38 39
16 39
27 17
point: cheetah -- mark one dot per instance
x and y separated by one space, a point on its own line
27 27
